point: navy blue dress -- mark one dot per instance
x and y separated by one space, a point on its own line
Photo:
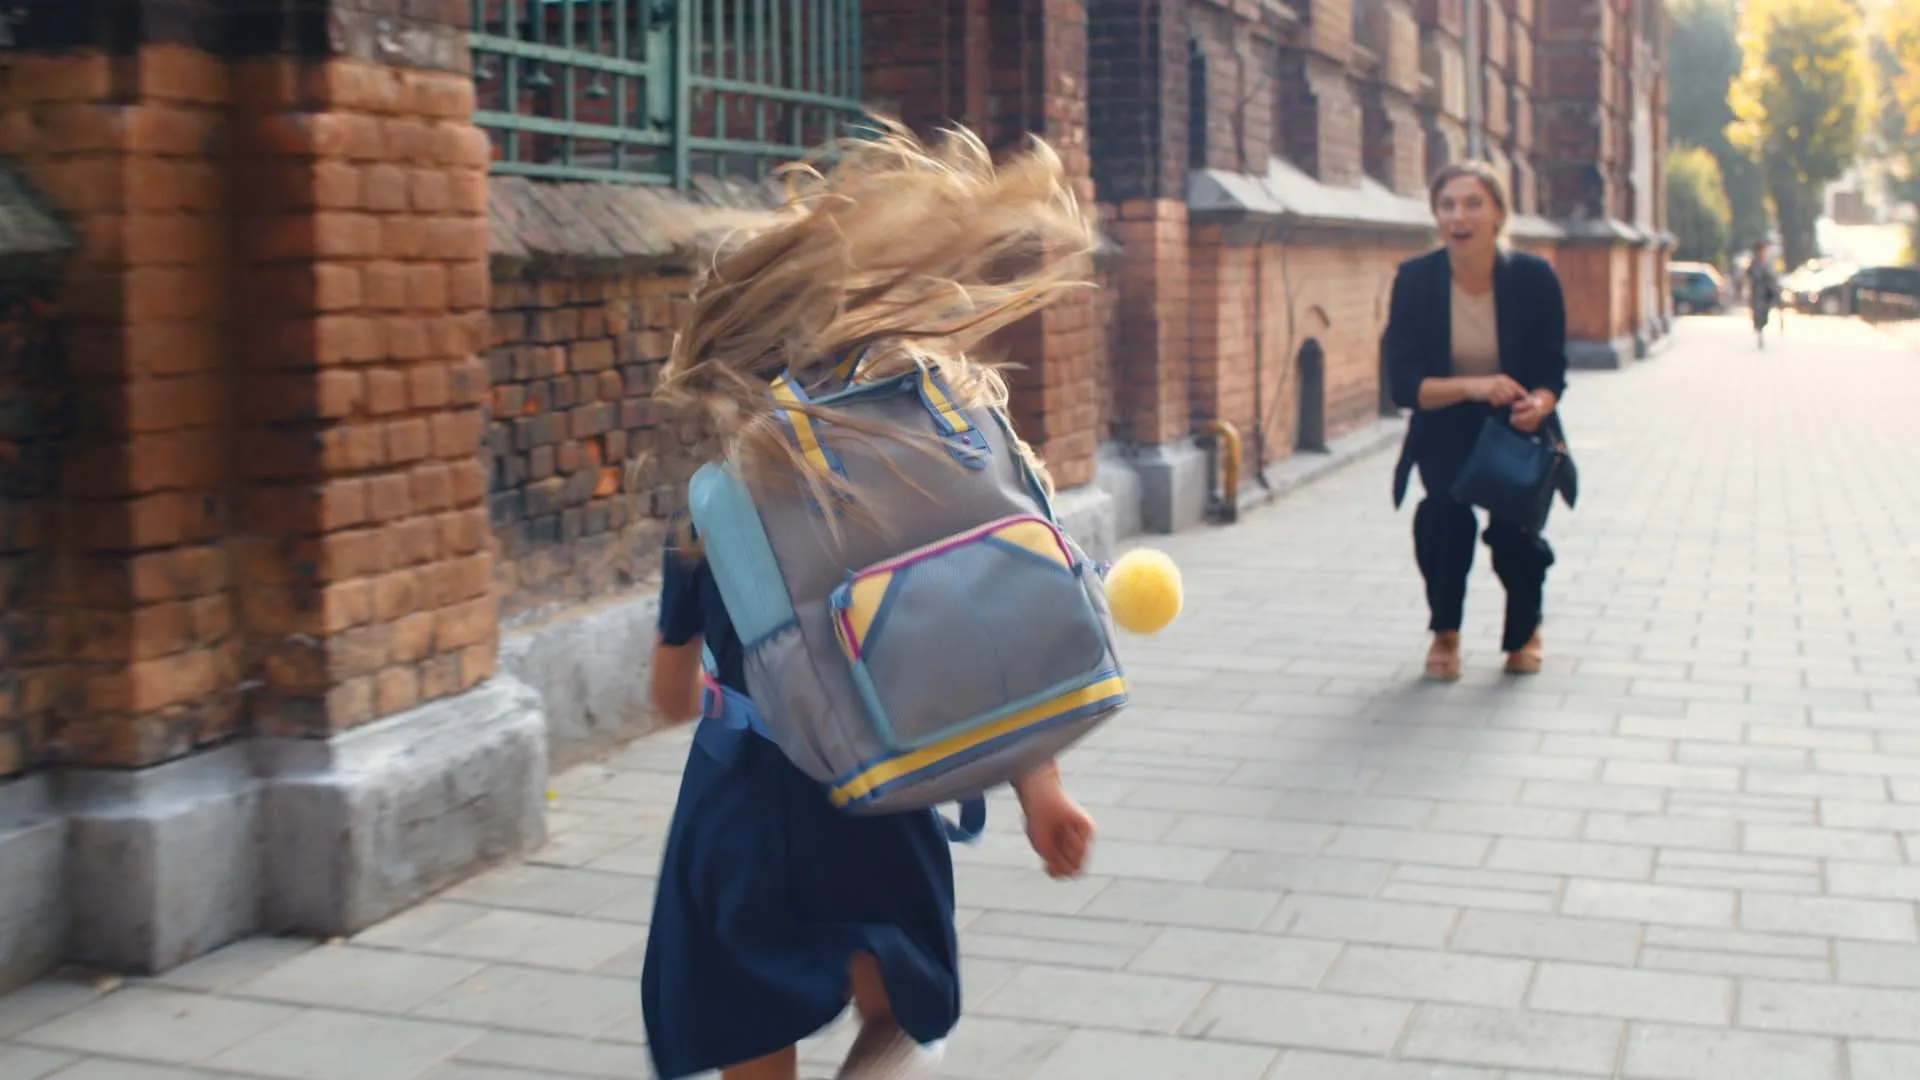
766 891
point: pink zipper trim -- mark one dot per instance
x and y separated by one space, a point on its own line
933 550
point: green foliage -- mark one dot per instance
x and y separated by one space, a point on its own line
1896 54
1697 209
1898 48
1800 104
1703 57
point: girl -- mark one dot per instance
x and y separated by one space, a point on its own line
774 909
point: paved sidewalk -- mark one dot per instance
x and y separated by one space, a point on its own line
1685 851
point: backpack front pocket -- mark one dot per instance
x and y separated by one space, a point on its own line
970 630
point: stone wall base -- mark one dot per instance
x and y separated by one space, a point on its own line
141 871
1602 355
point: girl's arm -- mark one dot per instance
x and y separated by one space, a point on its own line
676 680
1042 781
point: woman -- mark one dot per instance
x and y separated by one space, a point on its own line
1474 330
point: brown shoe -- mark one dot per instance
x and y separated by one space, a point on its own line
1528 659
1443 656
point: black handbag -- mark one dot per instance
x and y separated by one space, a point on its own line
1511 474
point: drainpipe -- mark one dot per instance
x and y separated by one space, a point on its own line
1475 148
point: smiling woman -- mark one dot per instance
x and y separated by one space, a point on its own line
1474 331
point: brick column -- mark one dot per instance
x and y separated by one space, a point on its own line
360 244
1577 98
928 62
270 528
1574 90
1039 81
1139 82
1520 142
361 274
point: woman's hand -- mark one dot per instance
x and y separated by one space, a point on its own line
1532 410
1498 391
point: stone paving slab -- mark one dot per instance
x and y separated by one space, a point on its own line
1683 852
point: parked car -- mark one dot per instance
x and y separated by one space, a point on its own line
1696 287
1887 293
1821 286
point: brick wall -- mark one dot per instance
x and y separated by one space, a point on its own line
1243 114
1256 306
572 363
1598 279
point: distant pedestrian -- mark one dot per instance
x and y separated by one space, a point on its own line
1475 330
1763 291
775 908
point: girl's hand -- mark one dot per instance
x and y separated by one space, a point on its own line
1060 830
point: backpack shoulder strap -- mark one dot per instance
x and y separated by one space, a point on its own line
739 553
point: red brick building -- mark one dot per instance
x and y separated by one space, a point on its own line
329 488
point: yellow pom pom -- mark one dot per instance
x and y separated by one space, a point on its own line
1143 589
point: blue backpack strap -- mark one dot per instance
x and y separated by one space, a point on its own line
973 821
964 441
802 426
848 368
806 433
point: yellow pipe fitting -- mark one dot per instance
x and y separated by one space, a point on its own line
1229 437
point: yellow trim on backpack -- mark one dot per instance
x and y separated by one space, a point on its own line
890 770
864 606
1036 537
802 425
955 419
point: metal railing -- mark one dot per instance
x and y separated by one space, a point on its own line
658 91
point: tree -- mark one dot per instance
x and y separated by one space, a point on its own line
1800 105
1898 42
1697 209
1896 54
1703 56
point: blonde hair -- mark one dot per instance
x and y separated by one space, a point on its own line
1489 178
913 254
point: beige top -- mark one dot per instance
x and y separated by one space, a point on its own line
1476 334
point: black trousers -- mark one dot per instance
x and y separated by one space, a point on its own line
1443 545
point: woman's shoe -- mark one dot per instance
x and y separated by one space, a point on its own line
1443 656
1527 660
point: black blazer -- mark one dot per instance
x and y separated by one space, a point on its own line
1418 345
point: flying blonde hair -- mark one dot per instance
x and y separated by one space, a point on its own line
914 254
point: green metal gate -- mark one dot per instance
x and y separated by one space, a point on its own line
658 91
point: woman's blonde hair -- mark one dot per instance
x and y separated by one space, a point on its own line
1490 180
914 254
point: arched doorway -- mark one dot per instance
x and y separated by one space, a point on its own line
1310 396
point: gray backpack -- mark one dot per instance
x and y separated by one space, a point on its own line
957 643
